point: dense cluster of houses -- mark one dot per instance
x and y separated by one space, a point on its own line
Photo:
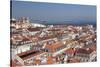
38 44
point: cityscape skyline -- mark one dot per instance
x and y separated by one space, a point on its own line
50 33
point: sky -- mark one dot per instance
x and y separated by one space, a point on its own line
54 13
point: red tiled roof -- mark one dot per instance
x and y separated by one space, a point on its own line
70 51
46 37
73 60
92 46
84 50
25 39
54 45
34 29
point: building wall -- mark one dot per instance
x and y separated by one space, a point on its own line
23 48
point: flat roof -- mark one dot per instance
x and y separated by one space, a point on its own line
29 54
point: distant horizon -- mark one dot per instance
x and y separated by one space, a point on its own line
53 13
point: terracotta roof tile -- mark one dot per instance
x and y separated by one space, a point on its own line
54 45
84 50
70 51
